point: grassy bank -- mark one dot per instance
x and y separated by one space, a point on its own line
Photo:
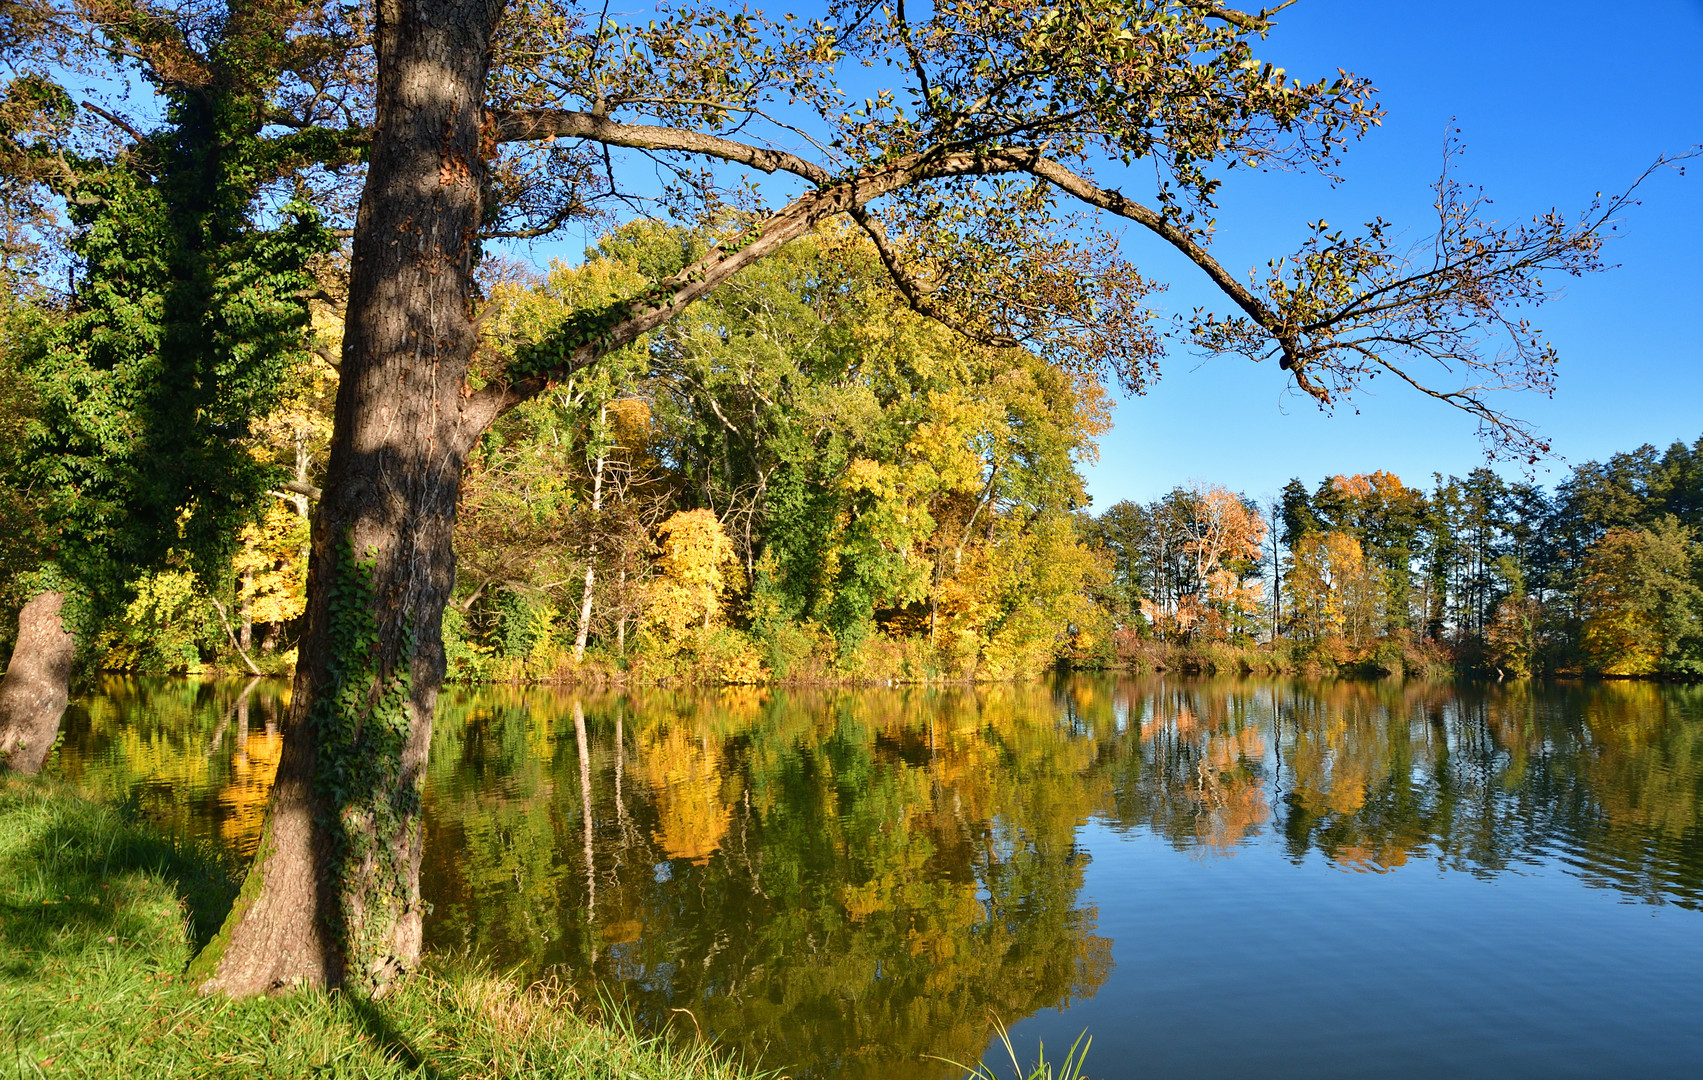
99 916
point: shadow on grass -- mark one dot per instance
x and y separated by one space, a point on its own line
385 1034
73 872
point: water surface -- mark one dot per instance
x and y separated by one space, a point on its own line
1213 878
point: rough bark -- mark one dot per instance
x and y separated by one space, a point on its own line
36 687
333 895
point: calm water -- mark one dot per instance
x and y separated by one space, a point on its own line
1214 878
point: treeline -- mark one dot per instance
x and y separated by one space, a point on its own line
1601 575
803 479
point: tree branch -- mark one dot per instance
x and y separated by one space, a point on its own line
115 121
537 125
916 294
1114 202
226 623
1255 24
583 340
296 487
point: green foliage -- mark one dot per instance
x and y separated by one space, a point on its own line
24 333
193 260
149 386
163 630
1643 601
517 622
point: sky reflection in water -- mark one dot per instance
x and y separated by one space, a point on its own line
1215 878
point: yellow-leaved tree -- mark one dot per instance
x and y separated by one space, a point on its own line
272 573
1641 601
1335 591
696 555
695 566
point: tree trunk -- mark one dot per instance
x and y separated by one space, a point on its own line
245 623
333 895
36 688
621 618
591 556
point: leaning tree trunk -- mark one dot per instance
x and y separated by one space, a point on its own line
333 895
36 687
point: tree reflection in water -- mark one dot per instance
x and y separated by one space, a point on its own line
845 882
842 882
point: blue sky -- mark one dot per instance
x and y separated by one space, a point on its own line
1555 102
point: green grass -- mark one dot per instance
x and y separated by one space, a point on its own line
99 915
1068 1069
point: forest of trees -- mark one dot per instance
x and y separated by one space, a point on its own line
802 478
806 480
813 405
1600 575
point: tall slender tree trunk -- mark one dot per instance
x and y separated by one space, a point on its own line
245 621
591 555
35 690
621 619
333 894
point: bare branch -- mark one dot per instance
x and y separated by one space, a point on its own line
1254 24
296 487
115 120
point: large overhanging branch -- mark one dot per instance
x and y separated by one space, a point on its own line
593 334
1485 265
540 124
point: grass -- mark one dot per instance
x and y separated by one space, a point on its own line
1068 1069
100 914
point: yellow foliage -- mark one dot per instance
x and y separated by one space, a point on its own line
271 567
1018 601
1335 590
696 556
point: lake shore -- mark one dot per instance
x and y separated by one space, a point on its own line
100 914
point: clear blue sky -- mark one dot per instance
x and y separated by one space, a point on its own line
1555 101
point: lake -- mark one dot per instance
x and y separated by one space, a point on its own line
1213 878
